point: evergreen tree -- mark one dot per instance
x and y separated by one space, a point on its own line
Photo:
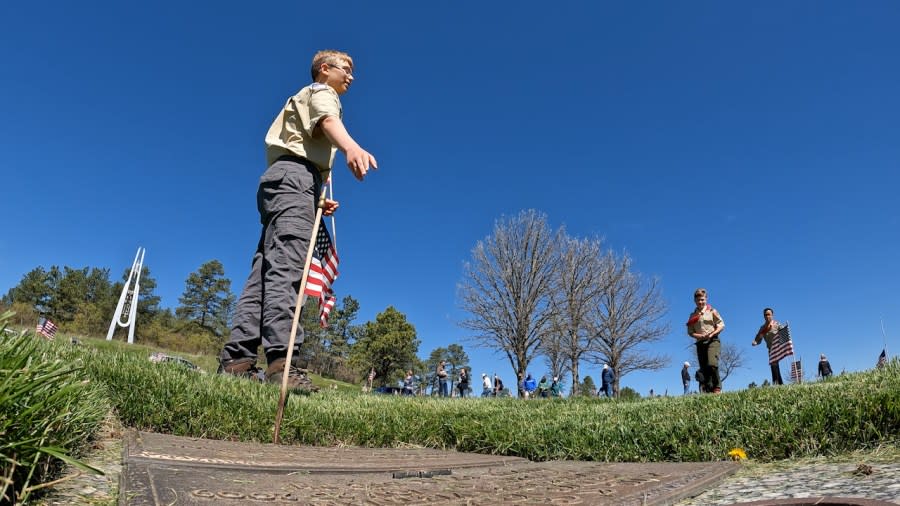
207 298
388 344
455 357
587 387
80 288
327 350
628 394
35 290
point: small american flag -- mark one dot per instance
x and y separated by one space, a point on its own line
796 371
882 359
46 328
326 310
782 345
322 272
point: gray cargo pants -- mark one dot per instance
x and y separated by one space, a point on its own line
286 199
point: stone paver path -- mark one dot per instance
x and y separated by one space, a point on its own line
880 481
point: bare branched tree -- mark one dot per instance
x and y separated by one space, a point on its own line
730 358
627 319
555 357
580 278
506 285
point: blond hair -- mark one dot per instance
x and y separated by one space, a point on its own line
330 56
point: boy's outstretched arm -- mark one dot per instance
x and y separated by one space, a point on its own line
358 159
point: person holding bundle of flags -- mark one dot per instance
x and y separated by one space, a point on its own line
300 148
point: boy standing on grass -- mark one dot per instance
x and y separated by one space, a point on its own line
704 325
300 148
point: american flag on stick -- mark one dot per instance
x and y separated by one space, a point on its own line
782 345
796 371
882 359
322 273
46 328
325 310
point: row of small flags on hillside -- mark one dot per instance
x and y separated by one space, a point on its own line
46 328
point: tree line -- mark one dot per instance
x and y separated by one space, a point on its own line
83 301
529 291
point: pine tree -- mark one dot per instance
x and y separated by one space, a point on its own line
207 298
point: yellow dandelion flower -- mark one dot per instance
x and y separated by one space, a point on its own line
737 454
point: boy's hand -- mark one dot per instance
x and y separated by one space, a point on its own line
330 207
359 161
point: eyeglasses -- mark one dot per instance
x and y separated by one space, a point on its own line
347 70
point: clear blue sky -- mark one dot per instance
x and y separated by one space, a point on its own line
748 148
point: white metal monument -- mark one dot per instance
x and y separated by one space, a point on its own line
127 307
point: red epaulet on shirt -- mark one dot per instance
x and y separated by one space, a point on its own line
693 319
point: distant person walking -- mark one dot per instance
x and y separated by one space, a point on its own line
487 389
768 331
443 384
607 378
704 325
824 367
498 385
463 384
686 378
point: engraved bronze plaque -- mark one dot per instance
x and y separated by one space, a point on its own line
161 469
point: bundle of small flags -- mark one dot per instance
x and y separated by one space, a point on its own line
46 328
322 273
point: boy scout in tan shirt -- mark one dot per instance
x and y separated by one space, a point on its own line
704 325
300 148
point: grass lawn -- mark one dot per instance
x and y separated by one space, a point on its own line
845 414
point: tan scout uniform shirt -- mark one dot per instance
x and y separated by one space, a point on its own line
292 131
709 318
